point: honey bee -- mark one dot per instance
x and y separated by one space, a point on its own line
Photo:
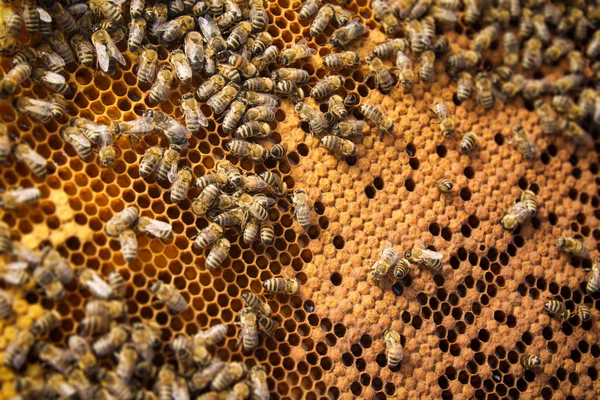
50 59
52 287
245 67
347 129
59 266
86 360
546 116
94 283
281 285
106 51
524 143
557 309
383 77
58 358
347 33
337 61
461 61
444 185
576 62
260 388
564 104
426 65
389 48
229 374
15 77
232 173
423 256
465 86
194 50
183 348
243 148
145 337
249 331
61 46
587 101
221 100
231 73
47 322
267 326
484 39
171 128
262 41
113 308
114 384
255 302
572 247
530 361
17 349
260 84
159 92
239 35
483 83
441 45
301 208
194 117
156 228
310 8
376 117
122 220
136 8
419 40
261 113
258 15
157 16
201 379
5 243
34 161
405 72
165 382
593 278
168 164
39 110
15 273
93 324
267 232
267 57
290 90
78 140
584 312
117 285
182 67
84 50
217 178
534 88
260 99
383 13
419 9
249 203
129 244
127 359
176 29
210 336
58 105
393 348
205 199
339 145
441 112
559 48
468 142
532 54
277 185
568 83
253 129
12 25
168 294
574 132
387 259
14 198
218 254
150 160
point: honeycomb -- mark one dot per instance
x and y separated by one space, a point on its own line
463 330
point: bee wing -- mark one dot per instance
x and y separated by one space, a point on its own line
167 25
208 28
157 228
202 118
172 174
128 241
106 139
54 58
34 157
81 140
103 57
115 52
432 254
17 266
141 125
100 129
53 77
44 15
38 106
234 8
99 286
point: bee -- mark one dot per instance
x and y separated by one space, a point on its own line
290 90
145 337
230 73
150 160
260 84
15 77
171 128
441 45
218 254
106 51
15 274
156 228
447 126
337 61
564 104
12 25
393 348
518 214
52 287
557 309
14 198
127 359
576 62
574 132
468 142
587 101
401 268
50 80
423 256
84 50
559 48
245 67
221 100
326 87
255 302
267 232
374 115
383 13
93 324
50 59
254 207
111 341
260 99
387 259
339 145
39 110
524 143
61 46
310 8
461 61
58 358
136 8
528 198
78 140
47 322
113 308
267 57
278 186
17 349
217 178
182 67
465 86
389 48
572 247
58 105
165 382
529 361
86 360
383 77
211 336
168 294
243 148
176 29
483 83
546 116
267 326
532 54
419 40
337 108
209 235
426 65
159 92
347 33
239 35
34 161
94 283
301 208
533 88
5 243
232 173
183 348
122 220
59 266
230 373
194 117
444 185
253 129
260 388
128 243
202 203
405 72
419 9
249 331
584 312
117 285
281 285
201 379
168 164
347 129
258 15
234 115
114 384
568 83
484 39
194 51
